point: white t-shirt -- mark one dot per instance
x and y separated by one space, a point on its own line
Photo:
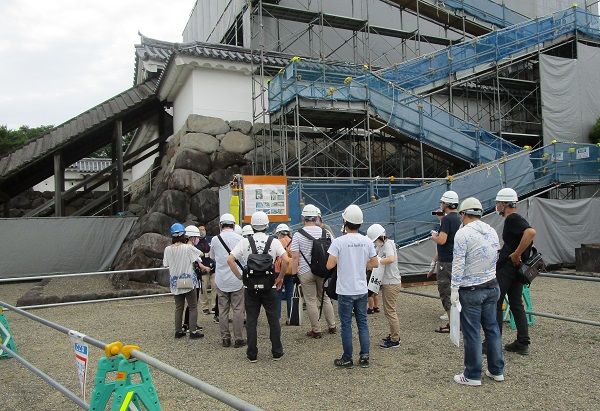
179 259
242 249
301 243
353 251
225 280
391 273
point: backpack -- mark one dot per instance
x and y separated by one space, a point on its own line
319 255
259 273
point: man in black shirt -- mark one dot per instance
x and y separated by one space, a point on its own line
518 238
445 246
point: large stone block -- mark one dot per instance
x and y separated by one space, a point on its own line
151 244
236 142
242 126
173 203
20 201
205 205
209 125
201 142
193 160
187 180
220 177
224 159
156 223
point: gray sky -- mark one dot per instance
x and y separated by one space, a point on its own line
59 58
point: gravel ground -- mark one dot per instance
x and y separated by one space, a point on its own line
562 371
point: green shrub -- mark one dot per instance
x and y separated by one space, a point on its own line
595 133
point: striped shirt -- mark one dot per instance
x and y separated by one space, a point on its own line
301 243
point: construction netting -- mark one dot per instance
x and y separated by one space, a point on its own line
407 217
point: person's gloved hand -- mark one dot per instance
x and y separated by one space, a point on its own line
296 279
454 297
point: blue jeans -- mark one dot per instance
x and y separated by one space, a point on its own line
479 310
286 291
358 303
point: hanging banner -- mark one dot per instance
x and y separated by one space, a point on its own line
268 194
81 358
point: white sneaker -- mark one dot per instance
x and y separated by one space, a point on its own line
444 317
498 378
461 379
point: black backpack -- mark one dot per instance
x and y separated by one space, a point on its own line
319 255
259 273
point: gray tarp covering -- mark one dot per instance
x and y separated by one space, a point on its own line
561 227
570 95
34 246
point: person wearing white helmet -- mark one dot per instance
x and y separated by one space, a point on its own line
352 253
445 244
474 284
287 290
179 257
319 223
229 288
312 285
247 230
237 229
255 298
517 235
391 282
206 301
193 235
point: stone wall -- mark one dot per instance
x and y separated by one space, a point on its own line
203 156
30 200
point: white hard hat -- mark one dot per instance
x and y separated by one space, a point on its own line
227 219
471 206
318 211
375 231
282 227
450 197
247 230
192 231
259 221
310 210
353 214
507 195
237 229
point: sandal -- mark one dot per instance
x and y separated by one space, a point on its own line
443 329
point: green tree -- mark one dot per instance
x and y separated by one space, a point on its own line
12 139
595 133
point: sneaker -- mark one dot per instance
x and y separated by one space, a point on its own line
364 361
341 363
239 343
376 309
179 334
389 344
196 335
226 342
333 330
251 359
277 357
216 319
388 338
461 379
370 311
206 311
185 328
518 347
498 378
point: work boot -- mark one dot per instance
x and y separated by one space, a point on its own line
518 347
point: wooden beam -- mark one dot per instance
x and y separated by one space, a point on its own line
59 184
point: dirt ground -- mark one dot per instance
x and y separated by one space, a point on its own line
562 371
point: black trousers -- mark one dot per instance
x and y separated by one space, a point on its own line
510 286
253 300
